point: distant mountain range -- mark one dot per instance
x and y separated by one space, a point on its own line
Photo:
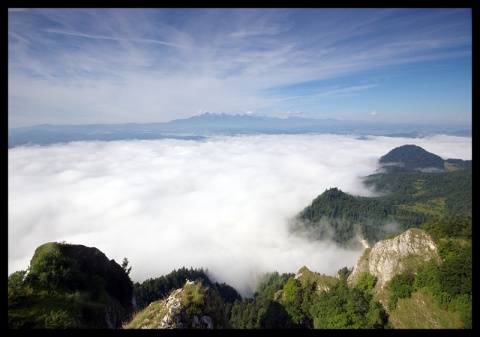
208 124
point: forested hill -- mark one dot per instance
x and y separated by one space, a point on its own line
413 157
421 186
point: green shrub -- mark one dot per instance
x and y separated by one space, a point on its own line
366 282
401 285
60 319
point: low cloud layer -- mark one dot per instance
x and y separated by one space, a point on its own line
223 204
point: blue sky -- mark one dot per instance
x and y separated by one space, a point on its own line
86 66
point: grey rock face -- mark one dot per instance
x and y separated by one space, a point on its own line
172 314
390 257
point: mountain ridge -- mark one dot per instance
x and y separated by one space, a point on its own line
206 125
419 186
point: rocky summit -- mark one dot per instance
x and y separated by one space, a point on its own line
194 306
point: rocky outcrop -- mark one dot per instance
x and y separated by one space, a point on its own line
390 257
323 282
193 306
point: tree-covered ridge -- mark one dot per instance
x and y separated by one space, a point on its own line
406 199
303 304
457 164
341 217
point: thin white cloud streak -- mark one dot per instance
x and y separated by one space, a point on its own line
118 39
329 92
234 55
347 90
222 204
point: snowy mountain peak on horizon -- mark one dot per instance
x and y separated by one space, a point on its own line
209 124
222 115
210 113
254 115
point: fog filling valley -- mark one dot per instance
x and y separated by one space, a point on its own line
222 204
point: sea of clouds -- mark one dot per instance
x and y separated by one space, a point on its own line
222 204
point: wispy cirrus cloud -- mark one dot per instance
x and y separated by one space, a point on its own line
118 39
228 60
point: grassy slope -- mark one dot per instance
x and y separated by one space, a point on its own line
421 312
